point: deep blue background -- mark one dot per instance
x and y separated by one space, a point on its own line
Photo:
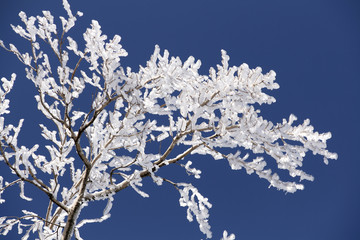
313 45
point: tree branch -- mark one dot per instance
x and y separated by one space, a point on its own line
41 186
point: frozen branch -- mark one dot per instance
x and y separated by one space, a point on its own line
137 123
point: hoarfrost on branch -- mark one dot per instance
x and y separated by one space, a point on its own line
105 147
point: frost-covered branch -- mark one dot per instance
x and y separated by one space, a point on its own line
135 124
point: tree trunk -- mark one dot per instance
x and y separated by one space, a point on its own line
71 221
75 209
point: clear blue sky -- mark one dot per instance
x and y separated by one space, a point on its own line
313 45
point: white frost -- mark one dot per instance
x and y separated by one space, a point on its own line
138 122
